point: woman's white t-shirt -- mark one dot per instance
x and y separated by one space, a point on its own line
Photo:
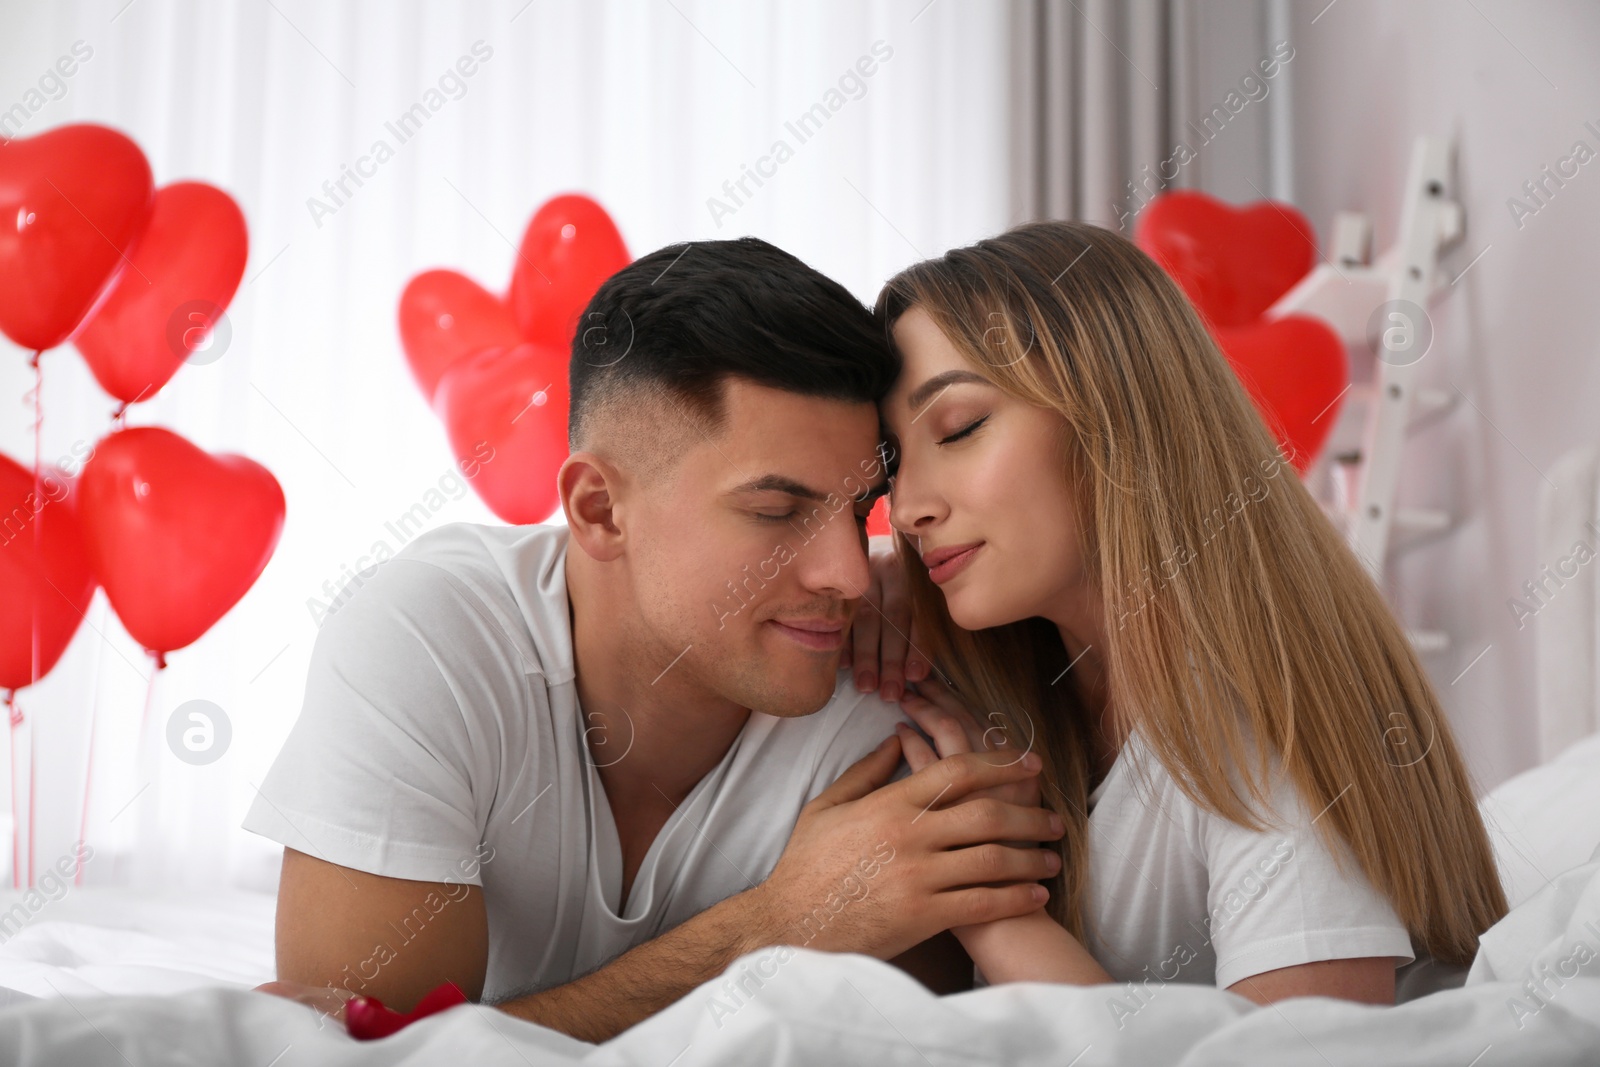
1177 894
441 740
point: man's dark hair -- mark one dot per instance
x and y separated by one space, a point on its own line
681 320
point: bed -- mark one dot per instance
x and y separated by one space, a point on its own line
120 978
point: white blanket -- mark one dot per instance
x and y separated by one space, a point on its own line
1532 996
816 1008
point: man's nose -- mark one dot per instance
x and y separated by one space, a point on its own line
834 561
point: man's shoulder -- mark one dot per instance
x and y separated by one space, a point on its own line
471 584
851 709
849 726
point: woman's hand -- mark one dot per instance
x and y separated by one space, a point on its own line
943 717
883 630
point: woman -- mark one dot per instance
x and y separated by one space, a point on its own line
1109 559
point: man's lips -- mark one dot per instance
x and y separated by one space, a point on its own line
821 635
944 563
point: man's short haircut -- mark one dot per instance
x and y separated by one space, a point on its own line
660 338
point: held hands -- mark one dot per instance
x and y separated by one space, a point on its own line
878 868
1030 947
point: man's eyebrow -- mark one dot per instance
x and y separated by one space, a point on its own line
778 483
939 383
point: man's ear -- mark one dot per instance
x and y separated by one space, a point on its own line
588 487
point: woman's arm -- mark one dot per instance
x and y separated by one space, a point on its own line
1029 948
1035 948
1369 980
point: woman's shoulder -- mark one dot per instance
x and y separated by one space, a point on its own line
1141 772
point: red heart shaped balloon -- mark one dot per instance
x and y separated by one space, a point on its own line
878 518
47 590
175 534
569 248
1234 263
446 316
178 282
505 412
73 202
1296 370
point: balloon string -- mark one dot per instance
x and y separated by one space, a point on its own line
35 651
33 781
160 661
88 780
14 714
37 395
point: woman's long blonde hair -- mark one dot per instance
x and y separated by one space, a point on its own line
1234 610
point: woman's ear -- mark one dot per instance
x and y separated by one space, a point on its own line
588 485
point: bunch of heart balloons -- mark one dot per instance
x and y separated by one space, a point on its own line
136 277
494 367
1234 264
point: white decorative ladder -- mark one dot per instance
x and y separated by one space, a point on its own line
1383 305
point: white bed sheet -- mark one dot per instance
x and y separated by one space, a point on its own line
95 941
192 958
828 1009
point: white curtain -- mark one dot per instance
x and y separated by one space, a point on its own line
1106 91
648 105
1097 85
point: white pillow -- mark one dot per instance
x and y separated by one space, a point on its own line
1546 820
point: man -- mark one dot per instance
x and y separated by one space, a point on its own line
579 770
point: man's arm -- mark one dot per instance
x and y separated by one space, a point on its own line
649 977
348 929
343 932
941 872
810 875
389 938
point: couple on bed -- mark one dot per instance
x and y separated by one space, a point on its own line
1117 705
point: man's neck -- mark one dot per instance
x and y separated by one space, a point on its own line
652 733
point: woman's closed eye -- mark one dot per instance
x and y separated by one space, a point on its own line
964 431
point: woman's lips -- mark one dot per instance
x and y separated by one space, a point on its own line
946 563
817 636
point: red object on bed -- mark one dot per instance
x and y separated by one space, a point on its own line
366 1019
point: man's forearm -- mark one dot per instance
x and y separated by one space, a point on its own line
651 976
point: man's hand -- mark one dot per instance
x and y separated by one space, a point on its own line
926 855
883 648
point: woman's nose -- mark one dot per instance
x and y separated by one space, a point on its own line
911 511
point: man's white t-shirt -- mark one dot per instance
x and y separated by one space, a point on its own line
1178 894
441 740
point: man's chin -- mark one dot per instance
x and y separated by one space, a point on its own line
795 695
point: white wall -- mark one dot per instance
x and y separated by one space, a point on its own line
1513 83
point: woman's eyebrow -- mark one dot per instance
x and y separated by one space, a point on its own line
927 391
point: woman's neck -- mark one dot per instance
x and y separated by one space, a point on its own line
1094 696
